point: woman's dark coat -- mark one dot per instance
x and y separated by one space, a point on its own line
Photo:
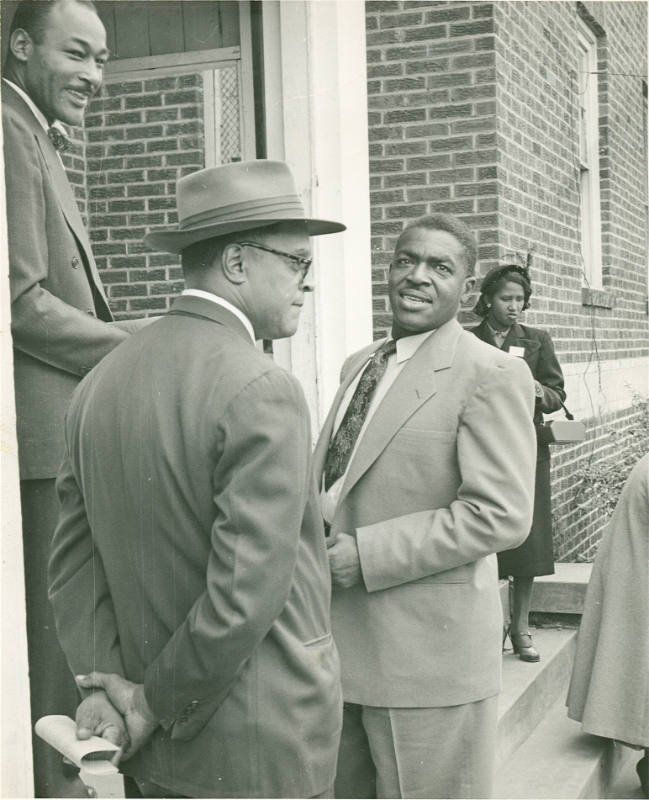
535 556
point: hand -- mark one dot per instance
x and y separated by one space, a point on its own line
97 716
344 561
128 698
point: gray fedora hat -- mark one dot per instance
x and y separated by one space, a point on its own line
235 197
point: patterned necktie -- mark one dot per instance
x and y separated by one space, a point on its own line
58 139
342 444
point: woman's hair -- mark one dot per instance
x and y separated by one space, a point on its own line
496 278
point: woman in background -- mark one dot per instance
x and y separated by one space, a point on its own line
504 295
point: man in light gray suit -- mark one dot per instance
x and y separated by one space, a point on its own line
427 459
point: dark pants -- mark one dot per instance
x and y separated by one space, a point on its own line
51 685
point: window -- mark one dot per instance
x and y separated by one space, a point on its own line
590 218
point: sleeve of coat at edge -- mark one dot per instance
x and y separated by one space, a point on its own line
550 376
261 482
78 590
496 451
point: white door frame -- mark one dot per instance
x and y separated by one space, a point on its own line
316 120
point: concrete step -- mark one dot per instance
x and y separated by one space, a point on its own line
530 689
563 592
559 761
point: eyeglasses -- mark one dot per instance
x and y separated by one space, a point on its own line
301 263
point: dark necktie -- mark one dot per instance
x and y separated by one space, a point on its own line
342 444
58 138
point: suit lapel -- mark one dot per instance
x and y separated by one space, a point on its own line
60 181
482 332
514 336
517 337
412 388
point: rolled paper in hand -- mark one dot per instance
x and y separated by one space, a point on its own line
94 755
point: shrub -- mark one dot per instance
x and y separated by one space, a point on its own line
600 483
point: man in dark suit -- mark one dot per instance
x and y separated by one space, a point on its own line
61 323
428 469
189 564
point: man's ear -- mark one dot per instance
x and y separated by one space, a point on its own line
21 45
232 264
469 286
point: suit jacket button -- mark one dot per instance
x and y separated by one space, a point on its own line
75 262
91 312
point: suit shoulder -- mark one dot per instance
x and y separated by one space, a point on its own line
250 368
358 357
535 333
16 116
475 347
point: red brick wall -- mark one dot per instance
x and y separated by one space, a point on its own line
472 110
142 135
432 121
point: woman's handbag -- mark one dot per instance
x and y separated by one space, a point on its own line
561 431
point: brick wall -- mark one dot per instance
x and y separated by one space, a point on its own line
142 135
473 110
432 123
538 171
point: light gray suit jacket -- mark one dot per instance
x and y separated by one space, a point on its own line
442 479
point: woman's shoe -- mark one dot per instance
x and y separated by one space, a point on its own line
523 647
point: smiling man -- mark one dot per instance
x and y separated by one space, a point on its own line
60 318
427 467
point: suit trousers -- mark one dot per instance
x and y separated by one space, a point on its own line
418 752
51 685
134 788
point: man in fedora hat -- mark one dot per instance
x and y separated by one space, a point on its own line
189 569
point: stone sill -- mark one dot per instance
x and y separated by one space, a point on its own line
599 298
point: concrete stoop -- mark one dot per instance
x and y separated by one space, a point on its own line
563 592
540 752
559 761
530 689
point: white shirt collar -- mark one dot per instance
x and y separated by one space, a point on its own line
220 301
35 110
407 346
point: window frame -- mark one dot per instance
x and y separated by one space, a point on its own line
590 218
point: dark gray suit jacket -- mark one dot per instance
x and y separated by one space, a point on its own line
190 556
58 308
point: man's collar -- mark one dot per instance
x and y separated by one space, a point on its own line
220 301
407 346
32 106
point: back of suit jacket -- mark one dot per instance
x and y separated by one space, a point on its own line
441 480
190 518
